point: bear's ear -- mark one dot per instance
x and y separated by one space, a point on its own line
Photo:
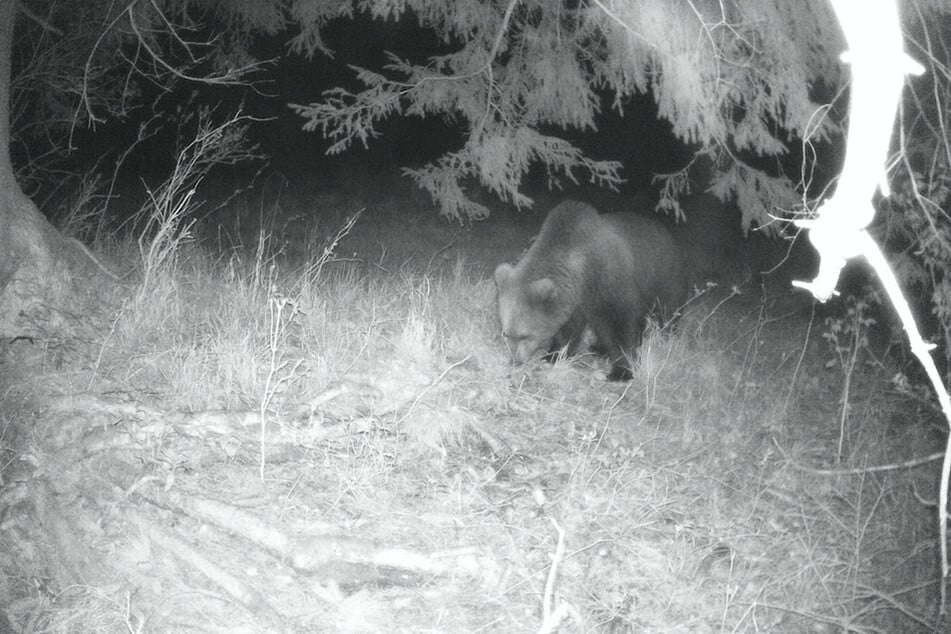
542 290
503 273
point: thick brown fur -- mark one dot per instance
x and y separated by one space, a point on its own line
606 272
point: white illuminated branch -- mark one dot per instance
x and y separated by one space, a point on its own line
878 65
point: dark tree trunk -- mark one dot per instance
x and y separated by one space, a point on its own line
27 240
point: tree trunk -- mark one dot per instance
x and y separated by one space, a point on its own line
27 240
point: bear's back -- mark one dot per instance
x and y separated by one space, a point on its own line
570 226
644 249
617 249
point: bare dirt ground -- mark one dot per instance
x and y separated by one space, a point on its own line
259 444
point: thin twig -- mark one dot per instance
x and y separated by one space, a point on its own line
802 354
44 24
551 619
431 386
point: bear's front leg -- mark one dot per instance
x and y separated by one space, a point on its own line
620 372
622 337
570 335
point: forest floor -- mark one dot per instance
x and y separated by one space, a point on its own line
278 430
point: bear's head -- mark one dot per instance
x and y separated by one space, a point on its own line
529 312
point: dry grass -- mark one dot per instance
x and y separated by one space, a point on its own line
373 409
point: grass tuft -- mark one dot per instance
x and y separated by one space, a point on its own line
364 407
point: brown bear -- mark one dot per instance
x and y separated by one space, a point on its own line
606 272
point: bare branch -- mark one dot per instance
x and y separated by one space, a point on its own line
231 77
879 65
44 24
